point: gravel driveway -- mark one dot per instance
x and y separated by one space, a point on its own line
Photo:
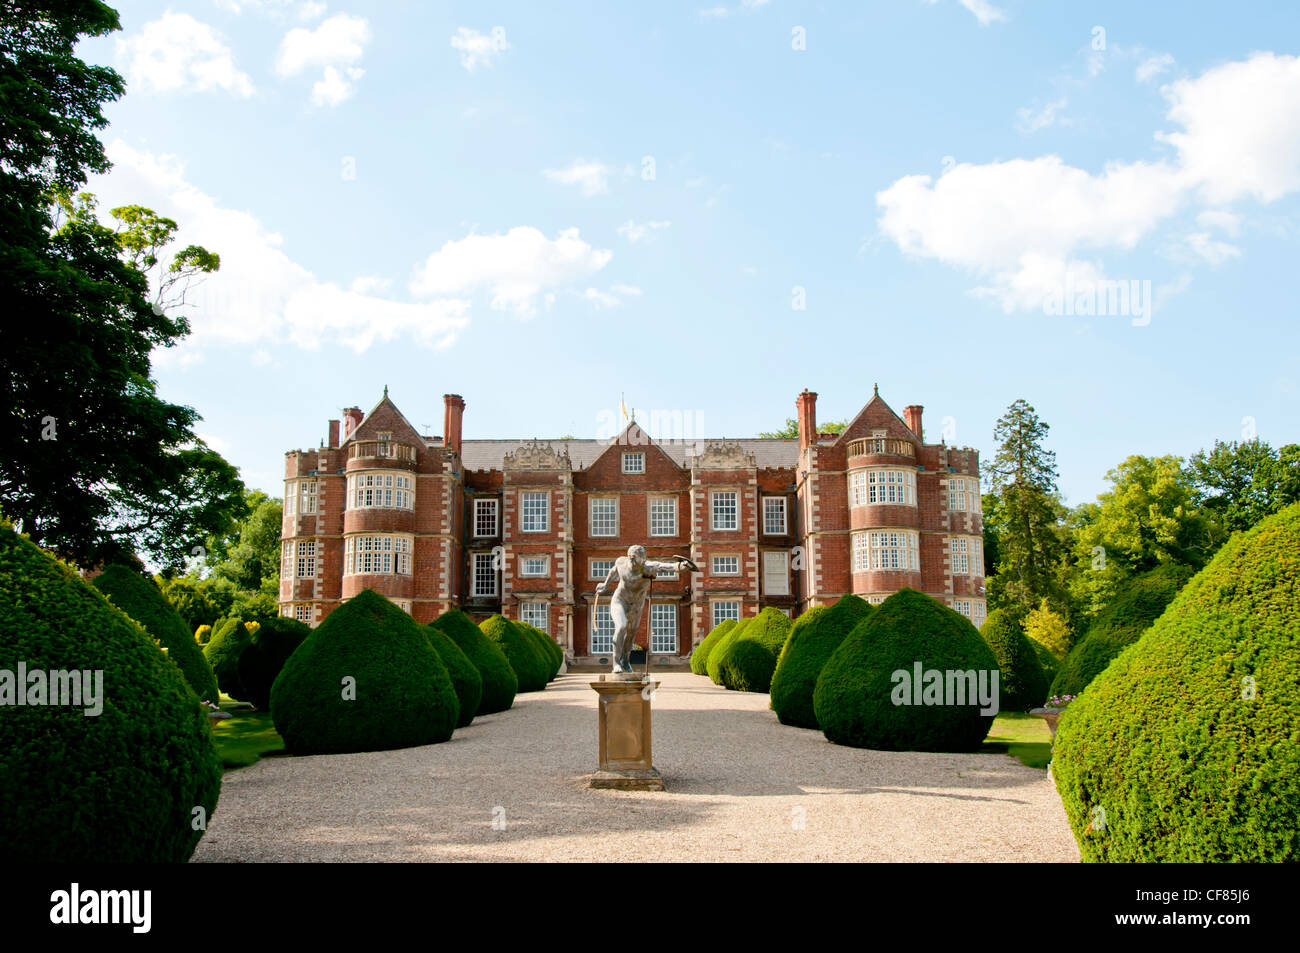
741 786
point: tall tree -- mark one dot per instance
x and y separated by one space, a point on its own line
92 461
791 429
1241 483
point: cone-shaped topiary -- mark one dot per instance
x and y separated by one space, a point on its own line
867 696
1050 663
815 635
120 786
713 667
524 655
499 680
553 653
366 679
745 670
223 651
139 597
464 676
700 657
1186 745
264 656
1022 685
1137 604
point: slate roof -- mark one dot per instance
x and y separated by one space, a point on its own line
488 454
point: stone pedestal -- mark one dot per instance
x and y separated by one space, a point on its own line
624 735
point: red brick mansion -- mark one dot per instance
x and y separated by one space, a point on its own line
530 528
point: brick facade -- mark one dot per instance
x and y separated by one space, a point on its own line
515 526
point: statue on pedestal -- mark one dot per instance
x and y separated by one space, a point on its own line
629 579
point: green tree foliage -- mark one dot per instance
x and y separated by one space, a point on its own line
815 636
1186 745
134 593
464 676
1050 629
499 680
1241 483
223 651
791 429
119 787
1022 684
264 656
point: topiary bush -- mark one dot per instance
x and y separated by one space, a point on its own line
139 597
264 656
1187 744
203 635
1022 684
464 676
523 654
366 679
746 670
550 650
222 653
856 694
700 657
814 637
1137 604
121 786
713 667
1050 663
499 680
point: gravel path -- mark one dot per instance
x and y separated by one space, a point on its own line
741 786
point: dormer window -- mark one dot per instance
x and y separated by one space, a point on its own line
634 463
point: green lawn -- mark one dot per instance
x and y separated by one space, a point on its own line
1022 736
245 736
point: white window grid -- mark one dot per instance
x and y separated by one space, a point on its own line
663 628
485 517
891 486
663 516
306 559
724 510
963 495
286 561
536 614
534 566
377 555
978 612
959 555
724 566
962 606
604 516
381 491
534 512
634 463
774 523
602 639
724 610
302 612
308 491
484 573
600 568
776 573
886 549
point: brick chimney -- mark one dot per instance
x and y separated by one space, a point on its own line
453 412
806 404
912 415
352 418
334 433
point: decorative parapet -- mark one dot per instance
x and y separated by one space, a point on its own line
537 455
721 455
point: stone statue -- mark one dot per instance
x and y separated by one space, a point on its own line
629 579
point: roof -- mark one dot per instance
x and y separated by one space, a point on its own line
767 451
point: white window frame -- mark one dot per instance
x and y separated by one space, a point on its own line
959 555
668 516
600 574
769 556
540 611
891 487
715 497
309 491
476 575
306 559
723 609
303 612
378 554
772 504
381 490
639 457
480 506
715 571
891 550
612 526
527 496
663 628
526 558
602 636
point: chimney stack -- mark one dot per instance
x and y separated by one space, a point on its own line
334 434
352 418
453 412
806 404
912 415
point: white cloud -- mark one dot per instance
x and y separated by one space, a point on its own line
715 13
1211 250
628 291
591 175
177 53
479 49
1229 222
261 297
982 10
601 299
635 232
515 268
305 10
1153 66
1030 120
333 47
335 85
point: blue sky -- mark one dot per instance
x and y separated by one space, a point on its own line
542 209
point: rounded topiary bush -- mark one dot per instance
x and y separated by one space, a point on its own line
366 679
264 656
139 597
746 670
464 676
1187 744
713 667
700 657
860 701
1137 604
1022 684
814 637
531 667
499 680
120 786
223 651
550 650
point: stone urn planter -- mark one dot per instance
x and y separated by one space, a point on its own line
1051 713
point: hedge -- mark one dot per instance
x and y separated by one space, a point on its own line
531 667
264 656
856 694
814 637
1022 684
1137 604
548 646
713 667
499 680
700 657
366 679
222 653
1186 746
746 670
139 597
464 676
122 786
